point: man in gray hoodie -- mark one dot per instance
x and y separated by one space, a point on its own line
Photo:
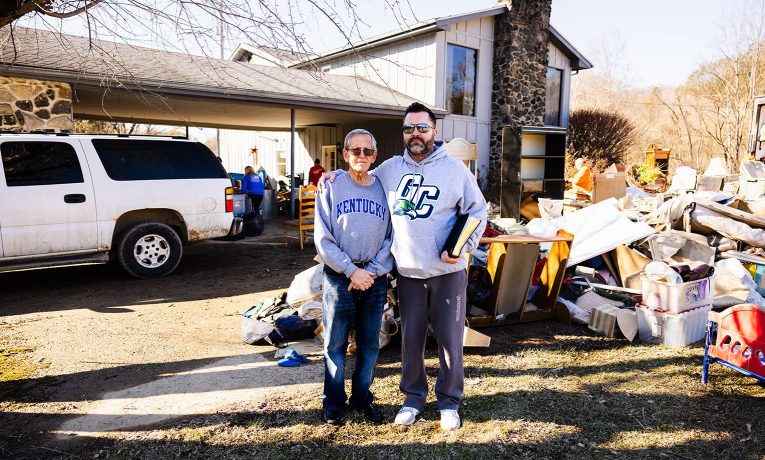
426 191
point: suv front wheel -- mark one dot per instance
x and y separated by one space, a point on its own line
150 250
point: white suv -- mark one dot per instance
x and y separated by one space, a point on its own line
74 199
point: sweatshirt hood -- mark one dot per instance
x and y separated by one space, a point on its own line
439 151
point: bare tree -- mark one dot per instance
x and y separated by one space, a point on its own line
199 26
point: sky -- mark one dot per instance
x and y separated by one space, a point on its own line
655 42
662 41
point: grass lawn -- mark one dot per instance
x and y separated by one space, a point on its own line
542 390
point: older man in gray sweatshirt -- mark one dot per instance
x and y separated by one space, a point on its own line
353 237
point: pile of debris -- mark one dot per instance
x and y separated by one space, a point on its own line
294 317
650 265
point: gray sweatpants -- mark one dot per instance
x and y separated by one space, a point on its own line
441 301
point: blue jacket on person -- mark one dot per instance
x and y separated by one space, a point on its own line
253 184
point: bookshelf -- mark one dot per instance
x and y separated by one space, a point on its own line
533 166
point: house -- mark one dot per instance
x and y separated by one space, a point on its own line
502 75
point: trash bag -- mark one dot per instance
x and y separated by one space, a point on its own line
306 286
253 329
253 224
293 328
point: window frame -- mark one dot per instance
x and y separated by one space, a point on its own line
447 76
561 72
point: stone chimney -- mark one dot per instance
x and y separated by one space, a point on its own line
520 66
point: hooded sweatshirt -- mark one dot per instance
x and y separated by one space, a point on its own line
425 200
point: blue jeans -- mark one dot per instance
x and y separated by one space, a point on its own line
344 309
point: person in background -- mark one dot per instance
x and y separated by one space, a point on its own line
315 172
253 187
353 238
582 180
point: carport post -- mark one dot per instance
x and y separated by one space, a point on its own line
292 163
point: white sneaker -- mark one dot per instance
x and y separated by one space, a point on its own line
406 416
450 419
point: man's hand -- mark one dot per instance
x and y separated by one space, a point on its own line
449 260
361 279
330 176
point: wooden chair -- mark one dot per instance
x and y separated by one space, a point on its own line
306 214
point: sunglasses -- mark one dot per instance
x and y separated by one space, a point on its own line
421 127
358 151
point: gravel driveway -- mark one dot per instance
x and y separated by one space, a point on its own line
107 346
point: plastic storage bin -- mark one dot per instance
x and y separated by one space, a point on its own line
674 330
677 298
242 205
752 188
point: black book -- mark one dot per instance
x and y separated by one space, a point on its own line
463 228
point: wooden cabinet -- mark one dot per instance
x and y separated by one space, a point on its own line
511 263
533 166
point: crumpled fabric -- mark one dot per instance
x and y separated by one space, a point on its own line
705 221
734 285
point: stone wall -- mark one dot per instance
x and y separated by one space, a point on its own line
520 66
35 105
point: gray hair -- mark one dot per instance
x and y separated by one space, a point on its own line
356 132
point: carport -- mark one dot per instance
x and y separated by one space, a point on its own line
118 82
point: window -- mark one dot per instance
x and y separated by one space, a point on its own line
281 163
40 163
552 96
134 159
460 80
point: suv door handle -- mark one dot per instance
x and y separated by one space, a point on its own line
74 198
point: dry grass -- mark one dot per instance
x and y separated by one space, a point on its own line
15 365
541 391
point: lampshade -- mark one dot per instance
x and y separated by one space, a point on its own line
717 167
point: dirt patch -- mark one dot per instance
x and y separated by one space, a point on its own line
91 331
141 353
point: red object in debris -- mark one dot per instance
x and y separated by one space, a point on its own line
740 341
535 278
490 232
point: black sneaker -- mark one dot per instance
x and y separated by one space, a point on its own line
332 417
371 413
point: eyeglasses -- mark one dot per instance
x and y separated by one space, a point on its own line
421 127
358 151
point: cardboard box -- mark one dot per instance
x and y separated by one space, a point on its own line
603 320
608 185
473 338
674 330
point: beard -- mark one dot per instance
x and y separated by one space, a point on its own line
419 147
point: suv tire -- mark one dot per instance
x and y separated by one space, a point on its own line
149 250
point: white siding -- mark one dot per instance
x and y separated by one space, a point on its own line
557 59
236 148
407 66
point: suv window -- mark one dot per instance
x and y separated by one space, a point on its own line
40 163
137 159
